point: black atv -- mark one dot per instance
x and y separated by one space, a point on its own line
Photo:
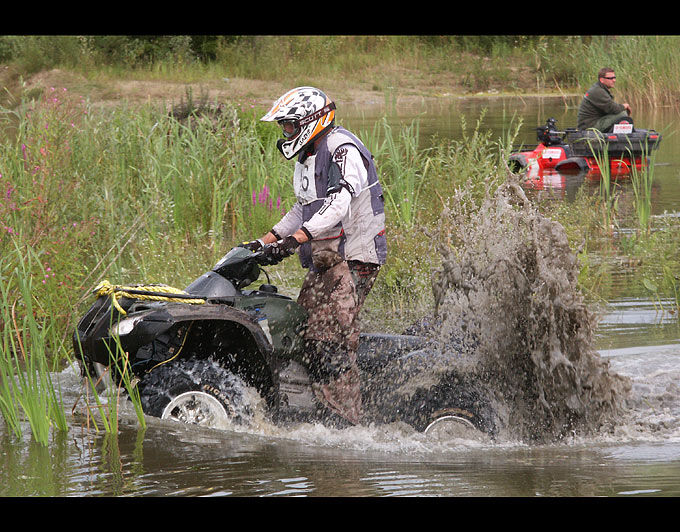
196 354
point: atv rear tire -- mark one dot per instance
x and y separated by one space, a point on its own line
455 406
413 388
198 392
448 427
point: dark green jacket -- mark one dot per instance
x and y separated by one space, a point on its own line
596 103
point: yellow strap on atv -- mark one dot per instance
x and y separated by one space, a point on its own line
157 292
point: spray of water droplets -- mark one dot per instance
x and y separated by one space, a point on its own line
508 285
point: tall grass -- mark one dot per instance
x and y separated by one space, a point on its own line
114 379
429 180
608 187
27 392
647 66
672 281
641 180
404 166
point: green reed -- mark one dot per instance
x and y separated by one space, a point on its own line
94 385
114 379
106 388
403 290
608 187
641 183
672 280
404 168
641 180
664 257
77 192
27 391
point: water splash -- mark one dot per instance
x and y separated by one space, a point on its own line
508 280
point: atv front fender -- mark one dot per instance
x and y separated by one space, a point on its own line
180 313
149 321
160 321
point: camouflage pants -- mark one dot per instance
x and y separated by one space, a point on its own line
333 298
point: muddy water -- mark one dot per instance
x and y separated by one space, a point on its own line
639 455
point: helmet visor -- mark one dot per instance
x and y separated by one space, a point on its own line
290 128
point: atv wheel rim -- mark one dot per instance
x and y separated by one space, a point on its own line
196 408
450 427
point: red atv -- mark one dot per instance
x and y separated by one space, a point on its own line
574 151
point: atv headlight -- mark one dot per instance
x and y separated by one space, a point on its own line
124 326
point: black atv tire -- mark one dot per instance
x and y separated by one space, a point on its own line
193 391
454 401
399 393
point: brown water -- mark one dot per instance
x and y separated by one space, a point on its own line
639 456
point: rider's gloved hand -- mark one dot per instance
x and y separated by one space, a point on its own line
255 245
276 252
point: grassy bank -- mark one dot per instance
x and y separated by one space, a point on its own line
648 67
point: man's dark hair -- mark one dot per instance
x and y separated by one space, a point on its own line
603 72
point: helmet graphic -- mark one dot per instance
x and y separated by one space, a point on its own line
303 113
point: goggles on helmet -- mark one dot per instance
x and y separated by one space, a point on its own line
291 128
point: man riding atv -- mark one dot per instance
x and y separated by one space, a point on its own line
338 224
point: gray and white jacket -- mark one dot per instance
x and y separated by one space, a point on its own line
340 201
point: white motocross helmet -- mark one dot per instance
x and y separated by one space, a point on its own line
303 113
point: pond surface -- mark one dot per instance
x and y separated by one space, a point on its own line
641 458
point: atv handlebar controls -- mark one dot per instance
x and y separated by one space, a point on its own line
548 133
240 266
